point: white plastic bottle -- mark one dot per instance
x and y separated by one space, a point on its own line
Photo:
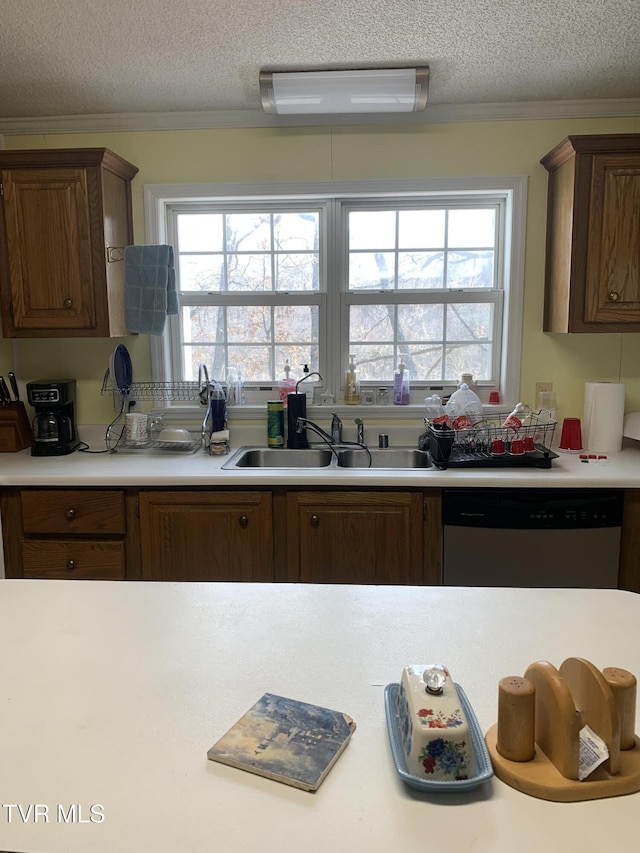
308 385
401 385
466 403
519 416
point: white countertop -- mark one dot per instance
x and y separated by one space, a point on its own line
111 694
167 468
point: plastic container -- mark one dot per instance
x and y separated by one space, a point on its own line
518 417
286 383
275 424
435 410
307 386
235 388
351 384
401 385
464 408
217 408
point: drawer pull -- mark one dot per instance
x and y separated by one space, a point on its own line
315 520
71 564
70 514
67 303
244 521
613 296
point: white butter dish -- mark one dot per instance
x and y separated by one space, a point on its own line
435 739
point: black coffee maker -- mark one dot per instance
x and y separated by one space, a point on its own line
54 426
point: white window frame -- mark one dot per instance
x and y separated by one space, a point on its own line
159 198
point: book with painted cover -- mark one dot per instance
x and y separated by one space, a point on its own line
285 740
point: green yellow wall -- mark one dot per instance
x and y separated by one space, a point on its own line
456 149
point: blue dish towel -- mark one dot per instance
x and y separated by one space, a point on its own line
149 288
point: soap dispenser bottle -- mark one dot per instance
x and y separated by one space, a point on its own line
351 384
401 385
286 383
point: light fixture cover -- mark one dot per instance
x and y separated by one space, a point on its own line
371 90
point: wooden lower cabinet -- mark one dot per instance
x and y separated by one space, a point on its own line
64 533
274 535
629 574
206 536
363 537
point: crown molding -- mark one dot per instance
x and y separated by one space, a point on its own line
229 119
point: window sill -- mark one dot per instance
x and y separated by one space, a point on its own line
414 411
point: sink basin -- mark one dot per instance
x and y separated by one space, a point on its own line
389 457
271 457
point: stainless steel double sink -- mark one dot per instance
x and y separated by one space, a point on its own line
322 457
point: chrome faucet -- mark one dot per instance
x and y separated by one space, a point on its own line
360 433
336 429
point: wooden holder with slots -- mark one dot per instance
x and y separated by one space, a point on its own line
15 429
534 746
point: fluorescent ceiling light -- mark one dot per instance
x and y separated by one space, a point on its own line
372 90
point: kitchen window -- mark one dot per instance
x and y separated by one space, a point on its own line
426 271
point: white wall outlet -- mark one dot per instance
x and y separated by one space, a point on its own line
541 387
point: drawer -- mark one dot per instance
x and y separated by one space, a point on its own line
69 560
72 511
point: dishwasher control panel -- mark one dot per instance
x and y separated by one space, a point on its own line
531 509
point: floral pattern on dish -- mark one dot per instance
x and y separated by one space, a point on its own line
446 757
439 720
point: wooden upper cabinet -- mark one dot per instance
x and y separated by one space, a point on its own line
59 211
592 274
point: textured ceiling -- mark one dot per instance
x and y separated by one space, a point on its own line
77 57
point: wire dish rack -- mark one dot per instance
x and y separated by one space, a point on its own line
116 443
163 392
529 446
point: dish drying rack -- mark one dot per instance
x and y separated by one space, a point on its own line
471 448
157 392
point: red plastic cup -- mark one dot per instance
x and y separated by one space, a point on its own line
571 438
529 444
497 447
494 396
517 447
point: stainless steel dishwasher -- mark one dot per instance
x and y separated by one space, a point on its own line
531 537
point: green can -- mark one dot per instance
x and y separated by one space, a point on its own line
275 424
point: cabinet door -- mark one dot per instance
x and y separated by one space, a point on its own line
356 537
206 536
48 243
613 260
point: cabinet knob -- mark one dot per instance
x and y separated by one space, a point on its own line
68 303
71 564
315 520
70 514
244 521
613 296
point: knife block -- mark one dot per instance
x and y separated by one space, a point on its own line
541 737
15 429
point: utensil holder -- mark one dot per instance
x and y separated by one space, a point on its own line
15 429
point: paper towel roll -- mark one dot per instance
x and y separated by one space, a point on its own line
603 416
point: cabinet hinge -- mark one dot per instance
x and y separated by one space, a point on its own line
425 509
137 507
1 190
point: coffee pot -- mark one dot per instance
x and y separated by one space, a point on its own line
53 424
